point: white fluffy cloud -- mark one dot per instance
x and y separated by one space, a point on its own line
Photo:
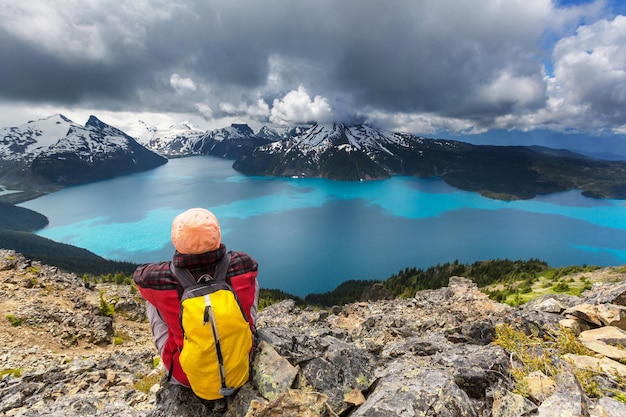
298 107
179 83
257 109
83 29
520 91
589 82
425 124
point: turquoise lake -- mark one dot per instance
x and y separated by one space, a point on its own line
309 235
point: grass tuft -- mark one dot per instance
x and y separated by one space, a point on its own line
530 353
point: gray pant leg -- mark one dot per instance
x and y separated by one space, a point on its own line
159 332
158 326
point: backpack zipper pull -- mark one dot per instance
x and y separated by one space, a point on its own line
206 315
207 309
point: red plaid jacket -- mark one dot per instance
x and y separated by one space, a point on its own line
158 286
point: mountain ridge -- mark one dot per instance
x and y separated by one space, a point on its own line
228 142
362 152
33 157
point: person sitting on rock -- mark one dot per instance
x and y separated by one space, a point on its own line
196 236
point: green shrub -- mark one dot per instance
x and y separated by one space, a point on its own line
106 308
15 322
145 383
620 396
16 372
561 287
33 270
267 297
525 288
531 353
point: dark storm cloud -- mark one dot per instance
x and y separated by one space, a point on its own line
218 50
32 73
383 54
474 60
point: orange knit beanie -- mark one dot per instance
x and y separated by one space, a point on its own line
196 231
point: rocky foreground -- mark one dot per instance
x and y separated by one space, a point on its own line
446 352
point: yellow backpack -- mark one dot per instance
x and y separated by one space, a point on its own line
217 344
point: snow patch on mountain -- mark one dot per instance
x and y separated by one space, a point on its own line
25 142
185 140
163 135
322 137
174 140
55 151
57 134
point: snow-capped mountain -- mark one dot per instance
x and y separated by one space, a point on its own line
167 141
272 134
361 152
228 142
333 151
321 138
25 142
60 151
144 132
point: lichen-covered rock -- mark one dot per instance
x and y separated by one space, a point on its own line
539 386
608 341
294 403
475 368
509 404
600 365
568 400
407 388
610 407
340 368
551 303
176 400
575 325
607 292
271 373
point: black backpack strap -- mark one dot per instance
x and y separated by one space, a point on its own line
182 275
222 268
186 279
